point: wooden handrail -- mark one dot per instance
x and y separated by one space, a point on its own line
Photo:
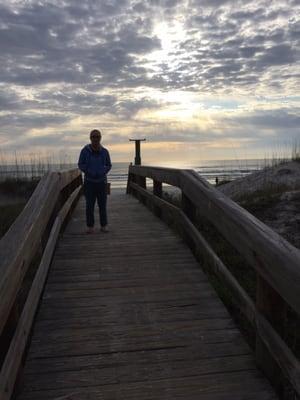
267 252
276 261
20 243
10 367
35 230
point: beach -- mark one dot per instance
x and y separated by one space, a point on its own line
272 194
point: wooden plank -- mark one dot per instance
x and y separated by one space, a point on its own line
284 357
59 332
272 256
16 349
136 373
225 386
99 343
26 232
187 352
67 176
136 330
265 331
165 175
157 188
240 297
267 252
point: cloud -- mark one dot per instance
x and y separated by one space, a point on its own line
272 119
21 123
87 61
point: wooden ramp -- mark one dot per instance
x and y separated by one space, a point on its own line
130 315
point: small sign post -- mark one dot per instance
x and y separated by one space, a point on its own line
137 159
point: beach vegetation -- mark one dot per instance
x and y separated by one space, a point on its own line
223 181
18 187
263 198
8 214
296 152
14 194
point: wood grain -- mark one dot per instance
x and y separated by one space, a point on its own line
135 324
16 349
226 213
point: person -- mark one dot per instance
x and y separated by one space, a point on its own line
94 162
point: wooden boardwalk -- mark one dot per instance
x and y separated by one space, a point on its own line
130 315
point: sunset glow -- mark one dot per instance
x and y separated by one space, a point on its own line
197 78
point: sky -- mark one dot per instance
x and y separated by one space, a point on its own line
199 79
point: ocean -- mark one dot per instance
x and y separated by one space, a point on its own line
209 170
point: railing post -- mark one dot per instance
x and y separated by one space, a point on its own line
141 181
271 305
188 207
129 180
157 191
157 188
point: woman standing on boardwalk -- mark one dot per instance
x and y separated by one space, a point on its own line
94 161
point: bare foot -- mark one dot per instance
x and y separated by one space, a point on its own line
90 230
104 229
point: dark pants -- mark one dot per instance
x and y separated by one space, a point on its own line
93 191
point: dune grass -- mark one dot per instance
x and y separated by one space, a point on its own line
8 214
14 194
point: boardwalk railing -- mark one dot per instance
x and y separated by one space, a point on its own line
276 262
31 239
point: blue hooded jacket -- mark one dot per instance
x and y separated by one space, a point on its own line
94 164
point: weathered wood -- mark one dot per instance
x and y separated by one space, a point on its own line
273 308
164 205
214 263
22 240
276 260
165 175
157 188
284 357
266 336
20 243
14 355
164 355
268 341
246 385
188 207
134 373
151 336
129 179
68 176
141 180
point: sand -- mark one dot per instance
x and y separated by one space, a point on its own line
273 196
284 177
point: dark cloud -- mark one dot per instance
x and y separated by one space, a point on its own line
272 119
42 45
91 58
129 108
22 122
276 55
78 43
9 101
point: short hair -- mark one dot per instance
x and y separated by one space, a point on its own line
95 131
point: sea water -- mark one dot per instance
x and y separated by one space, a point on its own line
209 170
